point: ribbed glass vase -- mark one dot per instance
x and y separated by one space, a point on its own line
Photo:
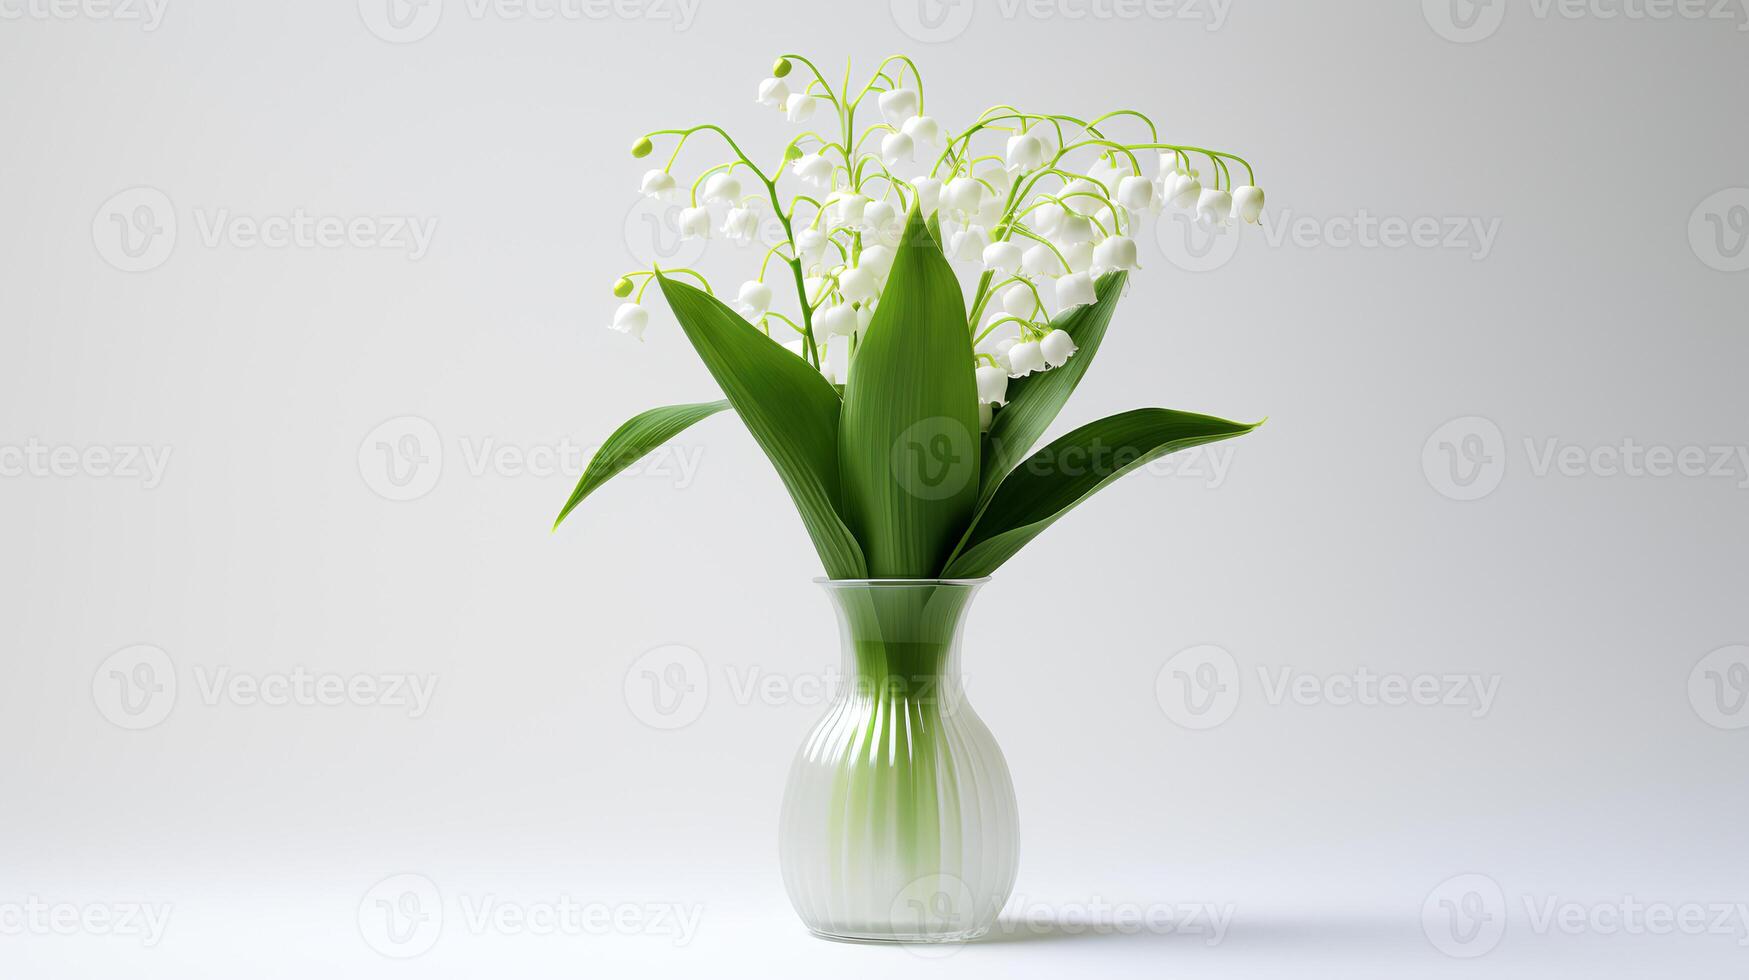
899 820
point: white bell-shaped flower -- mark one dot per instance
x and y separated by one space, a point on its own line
848 207
1136 193
878 215
1074 228
799 107
1248 204
836 321
1057 348
899 105
1075 289
631 319
877 259
964 195
1213 208
923 129
864 317
858 284
659 184
967 244
897 148
1080 256
814 169
992 386
1018 300
811 247
1117 253
695 223
721 188
773 92
928 195
741 225
1003 257
1040 261
755 296
1025 358
1185 190
1025 152
1046 219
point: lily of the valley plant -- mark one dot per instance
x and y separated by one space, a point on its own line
898 407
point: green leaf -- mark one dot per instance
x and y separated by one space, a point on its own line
1035 400
788 406
632 442
1063 474
908 445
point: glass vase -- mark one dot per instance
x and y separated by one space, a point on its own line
899 820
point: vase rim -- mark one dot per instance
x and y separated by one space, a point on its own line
840 583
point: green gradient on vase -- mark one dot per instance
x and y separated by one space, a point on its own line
899 820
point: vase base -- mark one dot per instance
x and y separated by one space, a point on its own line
890 939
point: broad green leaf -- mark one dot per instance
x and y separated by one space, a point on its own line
788 406
1035 400
908 445
1058 477
632 442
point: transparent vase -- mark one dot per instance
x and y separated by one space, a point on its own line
899 819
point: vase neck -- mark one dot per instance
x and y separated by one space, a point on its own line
901 635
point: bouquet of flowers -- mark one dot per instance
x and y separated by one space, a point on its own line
900 407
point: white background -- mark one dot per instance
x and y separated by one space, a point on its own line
1606 305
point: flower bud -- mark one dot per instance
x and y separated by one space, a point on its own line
877 259
858 284
642 147
878 215
780 68
622 287
1017 300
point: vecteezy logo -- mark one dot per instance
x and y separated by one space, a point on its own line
1464 21
135 687
401 916
401 459
931 459
666 688
1718 687
1718 230
1190 246
1465 459
401 21
1199 688
652 235
135 230
1465 916
932 21
933 906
